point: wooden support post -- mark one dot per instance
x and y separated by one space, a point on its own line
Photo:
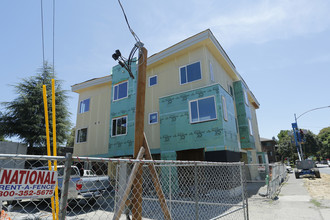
156 181
132 178
139 129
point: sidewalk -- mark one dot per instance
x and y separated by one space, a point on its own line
293 203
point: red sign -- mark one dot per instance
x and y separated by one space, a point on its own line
26 184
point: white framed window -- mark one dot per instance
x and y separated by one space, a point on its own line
202 110
224 109
246 98
84 106
119 126
211 73
120 91
250 127
190 73
81 135
153 118
153 80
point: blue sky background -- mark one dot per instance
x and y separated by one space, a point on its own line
281 48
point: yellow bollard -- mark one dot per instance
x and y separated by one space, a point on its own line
47 138
54 143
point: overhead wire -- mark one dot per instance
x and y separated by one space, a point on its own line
42 35
53 39
137 46
129 27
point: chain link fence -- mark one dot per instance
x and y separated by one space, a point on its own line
271 175
105 188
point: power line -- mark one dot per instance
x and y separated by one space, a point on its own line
42 34
129 27
53 39
126 63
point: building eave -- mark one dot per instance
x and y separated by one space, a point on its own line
92 82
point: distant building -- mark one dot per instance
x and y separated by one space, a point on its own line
198 107
268 146
7 147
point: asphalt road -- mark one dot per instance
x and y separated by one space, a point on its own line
323 168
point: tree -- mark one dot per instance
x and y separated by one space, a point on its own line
285 146
324 138
71 138
311 147
24 116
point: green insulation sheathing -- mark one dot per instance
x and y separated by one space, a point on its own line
178 133
243 114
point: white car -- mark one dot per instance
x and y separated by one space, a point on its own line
289 168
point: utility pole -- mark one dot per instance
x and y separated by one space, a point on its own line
139 132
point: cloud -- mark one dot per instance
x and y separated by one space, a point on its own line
270 20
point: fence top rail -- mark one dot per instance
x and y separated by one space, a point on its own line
115 160
265 164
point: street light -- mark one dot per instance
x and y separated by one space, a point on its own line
296 127
296 118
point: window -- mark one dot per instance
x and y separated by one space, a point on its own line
224 109
120 91
190 73
230 89
119 126
211 73
202 110
250 127
153 118
82 135
246 98
84 106
153 81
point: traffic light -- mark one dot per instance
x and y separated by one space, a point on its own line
301 134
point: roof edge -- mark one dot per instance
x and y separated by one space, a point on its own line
91 82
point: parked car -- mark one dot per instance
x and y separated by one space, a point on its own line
289 168
81 187
93 184
324 162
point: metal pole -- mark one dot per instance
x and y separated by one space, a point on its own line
65 186
301 155
196 193
170 186
246 214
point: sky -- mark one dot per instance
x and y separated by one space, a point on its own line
281 48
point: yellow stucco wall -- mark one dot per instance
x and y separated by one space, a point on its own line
96 120
255 129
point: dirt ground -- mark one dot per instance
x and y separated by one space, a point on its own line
319 188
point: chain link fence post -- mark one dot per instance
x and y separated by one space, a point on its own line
244 197
196 191
65 186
